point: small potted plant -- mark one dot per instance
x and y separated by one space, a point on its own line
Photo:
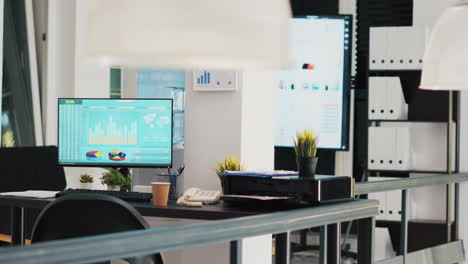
227 164
305 147
116 180
86 181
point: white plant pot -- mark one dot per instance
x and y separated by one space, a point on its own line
113 188
88 185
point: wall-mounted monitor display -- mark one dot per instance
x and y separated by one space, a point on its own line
314 92
115 132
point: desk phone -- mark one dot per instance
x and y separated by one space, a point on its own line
198 197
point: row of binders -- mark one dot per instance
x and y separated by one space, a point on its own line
397 48
425 203
386 99
389 148
409 146
389 202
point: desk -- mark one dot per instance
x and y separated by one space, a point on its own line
207 212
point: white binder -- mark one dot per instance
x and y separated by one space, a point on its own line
381 197
403 149
396 106
394 204
386 99
377 101
398 43
381 148
373 159
378 48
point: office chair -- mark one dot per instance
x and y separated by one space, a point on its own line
28 168
81 215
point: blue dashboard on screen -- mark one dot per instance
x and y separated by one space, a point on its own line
115 132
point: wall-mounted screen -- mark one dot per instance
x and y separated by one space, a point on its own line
314 92
115 132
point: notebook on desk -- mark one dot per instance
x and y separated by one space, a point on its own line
262 174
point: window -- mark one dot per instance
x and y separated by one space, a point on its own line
154 83
17 111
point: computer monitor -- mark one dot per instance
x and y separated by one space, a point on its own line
314 92
115 132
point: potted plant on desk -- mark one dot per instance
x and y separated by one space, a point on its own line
86 181
305 147
116 179
228 164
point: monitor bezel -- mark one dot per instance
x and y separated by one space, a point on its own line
120 165
345 140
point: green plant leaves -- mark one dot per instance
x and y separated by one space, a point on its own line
228 164
116 177
86 178
305 144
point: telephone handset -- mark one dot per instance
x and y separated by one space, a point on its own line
198 197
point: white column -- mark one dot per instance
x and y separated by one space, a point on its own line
91 79
212 132
220 124
235 123
60 62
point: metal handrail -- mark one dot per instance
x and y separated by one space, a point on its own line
146 242
407 183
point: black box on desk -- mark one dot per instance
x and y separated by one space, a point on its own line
319 189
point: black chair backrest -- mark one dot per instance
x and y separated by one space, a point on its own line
79 215
31 168
28 168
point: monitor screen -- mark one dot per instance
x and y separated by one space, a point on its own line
314 92
115 132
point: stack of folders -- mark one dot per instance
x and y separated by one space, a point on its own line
263 174
396 48
389 148
386 99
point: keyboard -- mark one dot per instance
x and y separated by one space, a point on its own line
136 197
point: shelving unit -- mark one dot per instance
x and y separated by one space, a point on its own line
423 107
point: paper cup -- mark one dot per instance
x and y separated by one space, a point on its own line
160 193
